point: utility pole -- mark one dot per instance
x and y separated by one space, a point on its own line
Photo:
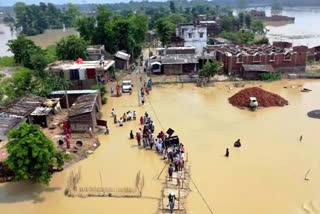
137 81
67 99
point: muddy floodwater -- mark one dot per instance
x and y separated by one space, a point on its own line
49 37
266 175
303 31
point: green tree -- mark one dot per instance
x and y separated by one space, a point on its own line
86 28
71 15
22 49
245 36
32 154
243 3
176 19
51 82
72 48
210 69
276 5
241 18
258 27
103 17
172 7
39 62
226 23
164 29
248 20
21 82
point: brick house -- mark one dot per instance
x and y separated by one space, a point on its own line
291 59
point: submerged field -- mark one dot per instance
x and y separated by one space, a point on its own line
266 175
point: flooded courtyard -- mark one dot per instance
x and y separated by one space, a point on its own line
266 175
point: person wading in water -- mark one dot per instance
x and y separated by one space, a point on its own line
227 153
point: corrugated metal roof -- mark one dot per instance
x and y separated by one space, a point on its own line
75 92
67 65
179 59
7 123
23 106
84 104
122 55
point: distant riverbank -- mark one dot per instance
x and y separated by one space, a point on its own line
49 37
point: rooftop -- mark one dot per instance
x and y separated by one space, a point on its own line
66 65
176 48
84 104
41 111
74 92
233 50
7 122
179 59
207 22
123 55
23 106
222 40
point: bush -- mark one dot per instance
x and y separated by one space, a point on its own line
103 91
104 100
270 76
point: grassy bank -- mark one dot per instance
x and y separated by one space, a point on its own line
6 62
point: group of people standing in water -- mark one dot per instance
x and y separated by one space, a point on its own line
127 116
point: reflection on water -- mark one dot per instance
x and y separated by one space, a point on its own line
5 35
266 175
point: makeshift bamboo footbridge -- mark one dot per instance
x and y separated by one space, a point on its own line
181 191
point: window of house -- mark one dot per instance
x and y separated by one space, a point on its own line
287 57
256 58
190 35
272 57
201 35
239 58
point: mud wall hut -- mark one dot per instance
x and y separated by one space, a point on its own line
84 113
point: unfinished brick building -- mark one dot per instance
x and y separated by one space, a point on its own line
289 59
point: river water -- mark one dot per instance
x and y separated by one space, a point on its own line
266 175
304 31
5 36
49 37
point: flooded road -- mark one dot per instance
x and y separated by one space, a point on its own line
265 175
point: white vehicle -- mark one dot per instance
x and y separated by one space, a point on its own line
126 86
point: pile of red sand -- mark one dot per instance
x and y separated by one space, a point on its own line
264 98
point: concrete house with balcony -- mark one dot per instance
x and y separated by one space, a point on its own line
192 35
